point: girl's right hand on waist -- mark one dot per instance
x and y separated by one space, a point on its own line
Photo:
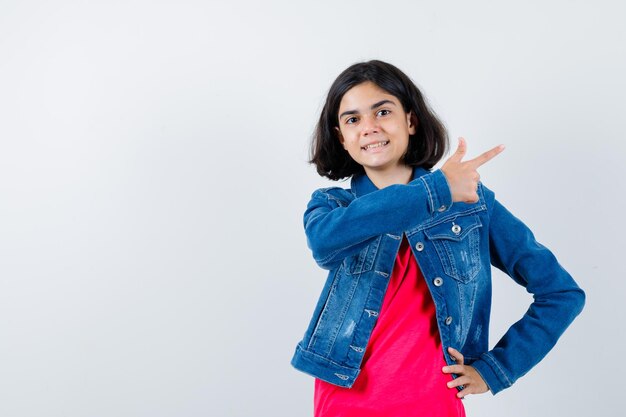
462 176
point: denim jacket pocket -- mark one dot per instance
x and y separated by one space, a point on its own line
457 242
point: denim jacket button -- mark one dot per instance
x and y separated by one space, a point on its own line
442 208
419 246
438 282
448 320
456 229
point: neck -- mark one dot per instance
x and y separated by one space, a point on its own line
402 174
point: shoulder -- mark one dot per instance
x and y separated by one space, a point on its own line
334 196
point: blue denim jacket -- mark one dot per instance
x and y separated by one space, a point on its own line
355 234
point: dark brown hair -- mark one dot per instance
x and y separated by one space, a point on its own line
426 147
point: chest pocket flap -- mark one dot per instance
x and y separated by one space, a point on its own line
364 260
457 242
456 229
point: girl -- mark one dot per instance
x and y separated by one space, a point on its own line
401 326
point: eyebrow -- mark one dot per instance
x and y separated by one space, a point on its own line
378 104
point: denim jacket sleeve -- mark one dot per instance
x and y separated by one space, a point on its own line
557 299
335 231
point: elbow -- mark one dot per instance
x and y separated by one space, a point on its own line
573 303
316 247
321 254
579 301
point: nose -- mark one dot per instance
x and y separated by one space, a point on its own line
369 125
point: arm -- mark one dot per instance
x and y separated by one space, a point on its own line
333 232
557 300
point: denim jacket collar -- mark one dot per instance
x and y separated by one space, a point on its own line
362 185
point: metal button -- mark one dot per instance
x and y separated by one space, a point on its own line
438 282
456 229
419 246
442 208
448 320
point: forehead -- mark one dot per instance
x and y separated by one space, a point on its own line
362 96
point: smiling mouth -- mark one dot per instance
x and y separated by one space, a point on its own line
375 145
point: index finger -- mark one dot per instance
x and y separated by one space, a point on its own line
486 157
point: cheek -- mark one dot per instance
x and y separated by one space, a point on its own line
350 139
396 130
403 128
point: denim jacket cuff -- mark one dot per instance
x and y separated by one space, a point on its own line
439 195
491 372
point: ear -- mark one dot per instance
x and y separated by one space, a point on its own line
340 136
412 122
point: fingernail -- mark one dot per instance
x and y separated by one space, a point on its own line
445 369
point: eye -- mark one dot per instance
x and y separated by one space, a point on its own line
386 112
350 120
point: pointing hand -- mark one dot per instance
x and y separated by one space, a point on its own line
462 176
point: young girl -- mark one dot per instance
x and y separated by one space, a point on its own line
401 326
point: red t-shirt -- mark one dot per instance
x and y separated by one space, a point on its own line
401 370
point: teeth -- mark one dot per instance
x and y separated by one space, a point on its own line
376 145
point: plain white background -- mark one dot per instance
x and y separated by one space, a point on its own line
153 178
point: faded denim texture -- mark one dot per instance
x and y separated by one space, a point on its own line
355 234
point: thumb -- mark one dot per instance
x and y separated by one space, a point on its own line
458 155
